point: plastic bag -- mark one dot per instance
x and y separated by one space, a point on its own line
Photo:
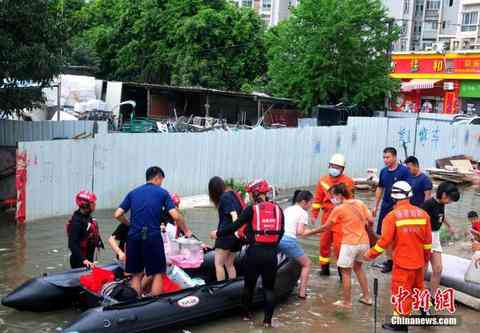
95 280
473 273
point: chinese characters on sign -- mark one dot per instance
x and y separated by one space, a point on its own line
446 64
404 135
426 134
444 300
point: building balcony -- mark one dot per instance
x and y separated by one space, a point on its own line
470 2
432 13
429 34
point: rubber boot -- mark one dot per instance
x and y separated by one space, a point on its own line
325 270
387 267
395 328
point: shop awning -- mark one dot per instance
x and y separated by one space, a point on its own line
417 84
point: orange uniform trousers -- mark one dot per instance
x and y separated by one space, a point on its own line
403 283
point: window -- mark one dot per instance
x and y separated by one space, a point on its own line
450 3
404 28
247 3
444 24
266 4
433 5
427 46
406 6
431 25
469 21
419 8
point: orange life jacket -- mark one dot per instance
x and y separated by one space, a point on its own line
267 223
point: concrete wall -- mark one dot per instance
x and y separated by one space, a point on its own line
114 164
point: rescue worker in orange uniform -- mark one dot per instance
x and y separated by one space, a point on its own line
407 229
323 201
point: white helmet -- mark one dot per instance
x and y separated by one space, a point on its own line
401 190
338 159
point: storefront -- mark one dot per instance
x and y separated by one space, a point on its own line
437 83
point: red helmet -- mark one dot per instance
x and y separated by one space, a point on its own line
258 186
176 199
85 197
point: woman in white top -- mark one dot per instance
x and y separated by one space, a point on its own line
296 218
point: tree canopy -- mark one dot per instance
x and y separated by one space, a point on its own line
209 43
332 51
31 40
328 51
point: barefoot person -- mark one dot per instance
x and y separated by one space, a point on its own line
321 202
144 249
229 209
296 218
435 207
352 218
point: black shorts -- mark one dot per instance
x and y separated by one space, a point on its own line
145 255
230 243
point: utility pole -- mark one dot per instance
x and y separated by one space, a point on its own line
59 95
59 86
390 24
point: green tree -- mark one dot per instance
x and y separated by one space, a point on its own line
31 40
332 51
209 43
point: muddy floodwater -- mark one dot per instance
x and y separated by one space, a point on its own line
41 247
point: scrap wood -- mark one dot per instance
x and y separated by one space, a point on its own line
442 162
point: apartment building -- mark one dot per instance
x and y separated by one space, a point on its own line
272 11
436 25
424 24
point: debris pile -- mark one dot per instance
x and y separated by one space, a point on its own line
459 169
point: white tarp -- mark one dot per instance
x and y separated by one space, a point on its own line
74 89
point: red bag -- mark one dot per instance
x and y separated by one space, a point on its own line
95 280
168 286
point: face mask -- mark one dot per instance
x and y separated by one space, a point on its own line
335 201
333 172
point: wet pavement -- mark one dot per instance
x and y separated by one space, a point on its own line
41 247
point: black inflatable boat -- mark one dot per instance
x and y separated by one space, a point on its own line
201 303
50 292
184 307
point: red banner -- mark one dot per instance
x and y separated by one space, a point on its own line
441 64
21 184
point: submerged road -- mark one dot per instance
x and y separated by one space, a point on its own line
41 246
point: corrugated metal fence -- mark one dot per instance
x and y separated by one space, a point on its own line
13 131
113 164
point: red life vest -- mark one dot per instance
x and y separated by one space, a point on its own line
93 235
240 200
267 223
241 233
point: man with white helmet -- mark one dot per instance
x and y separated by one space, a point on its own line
407 229
323 201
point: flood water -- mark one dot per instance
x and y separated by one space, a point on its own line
41 247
